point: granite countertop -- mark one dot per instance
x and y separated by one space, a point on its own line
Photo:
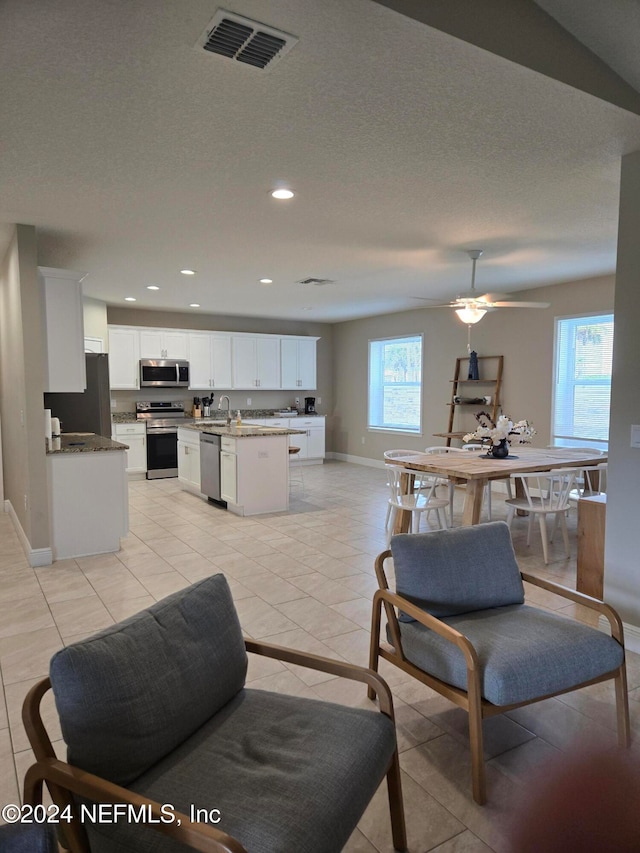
123 417
244 431
82 442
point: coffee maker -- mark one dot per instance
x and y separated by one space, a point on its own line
309 405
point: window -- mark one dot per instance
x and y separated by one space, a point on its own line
395 384
583 354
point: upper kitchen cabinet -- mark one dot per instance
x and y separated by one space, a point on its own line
62 293
209 361
256 361
298 363
160 343
124 358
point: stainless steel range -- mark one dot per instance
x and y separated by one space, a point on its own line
163 420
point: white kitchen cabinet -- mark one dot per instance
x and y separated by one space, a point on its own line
124 358
312 443
256 361
228 471
298 363
134 435
163 343
189 459
64 323
209 361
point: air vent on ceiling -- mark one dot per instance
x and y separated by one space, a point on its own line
245 40
318 282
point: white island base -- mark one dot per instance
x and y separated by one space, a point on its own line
88 500
254 474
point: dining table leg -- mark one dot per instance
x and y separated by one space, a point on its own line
473 502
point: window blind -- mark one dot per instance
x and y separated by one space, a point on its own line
582 393
395 384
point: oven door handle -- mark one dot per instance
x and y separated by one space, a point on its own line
177 374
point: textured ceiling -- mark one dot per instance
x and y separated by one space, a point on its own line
136 155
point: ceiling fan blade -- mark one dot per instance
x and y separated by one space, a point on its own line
520 304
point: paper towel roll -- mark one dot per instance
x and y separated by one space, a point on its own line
47 423
55 426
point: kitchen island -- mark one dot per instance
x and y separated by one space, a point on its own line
88 494
254 464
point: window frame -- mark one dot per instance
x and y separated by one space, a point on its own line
400 430
568 441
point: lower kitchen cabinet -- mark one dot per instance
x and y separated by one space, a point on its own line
189 459
229 476
254 474
135 436
312 444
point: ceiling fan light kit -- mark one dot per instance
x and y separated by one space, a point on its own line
470 314
471 308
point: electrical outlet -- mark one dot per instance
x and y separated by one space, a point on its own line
248 401
319 400
113 403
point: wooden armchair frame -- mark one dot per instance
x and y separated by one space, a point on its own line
63 779
471 699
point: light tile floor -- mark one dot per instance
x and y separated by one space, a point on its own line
302 579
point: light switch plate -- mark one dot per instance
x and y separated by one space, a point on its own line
635 435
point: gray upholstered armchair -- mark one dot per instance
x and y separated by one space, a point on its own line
458 623
154 711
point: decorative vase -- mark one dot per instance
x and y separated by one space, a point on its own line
500 451
474 372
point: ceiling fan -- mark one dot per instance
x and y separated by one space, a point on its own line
471 306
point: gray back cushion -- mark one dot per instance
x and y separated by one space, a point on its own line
448 572
129 695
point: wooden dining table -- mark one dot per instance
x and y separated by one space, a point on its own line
475 471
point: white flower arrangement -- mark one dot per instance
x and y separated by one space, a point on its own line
503 429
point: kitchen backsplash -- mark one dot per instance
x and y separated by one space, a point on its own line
261 401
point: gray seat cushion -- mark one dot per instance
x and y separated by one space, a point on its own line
287 774
457 571
129 695
25 838
525 653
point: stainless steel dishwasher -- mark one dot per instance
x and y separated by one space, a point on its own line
210 467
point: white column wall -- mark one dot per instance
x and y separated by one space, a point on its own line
622 545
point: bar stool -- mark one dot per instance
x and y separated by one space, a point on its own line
295 463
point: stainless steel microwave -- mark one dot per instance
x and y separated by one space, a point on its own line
164 373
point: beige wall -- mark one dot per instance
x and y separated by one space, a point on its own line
22 358
523 336
622 588
125 400
95 320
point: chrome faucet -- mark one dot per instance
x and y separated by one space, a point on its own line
226 397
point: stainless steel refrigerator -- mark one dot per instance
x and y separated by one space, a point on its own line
89 411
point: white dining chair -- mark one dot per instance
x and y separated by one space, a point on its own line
589 482
416 503
389 456
544 493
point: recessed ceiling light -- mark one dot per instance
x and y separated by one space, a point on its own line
266 281
188 272
152 287
130 299
282 194
194 305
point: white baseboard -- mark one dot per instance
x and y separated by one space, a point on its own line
357 460
631 634
36 556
